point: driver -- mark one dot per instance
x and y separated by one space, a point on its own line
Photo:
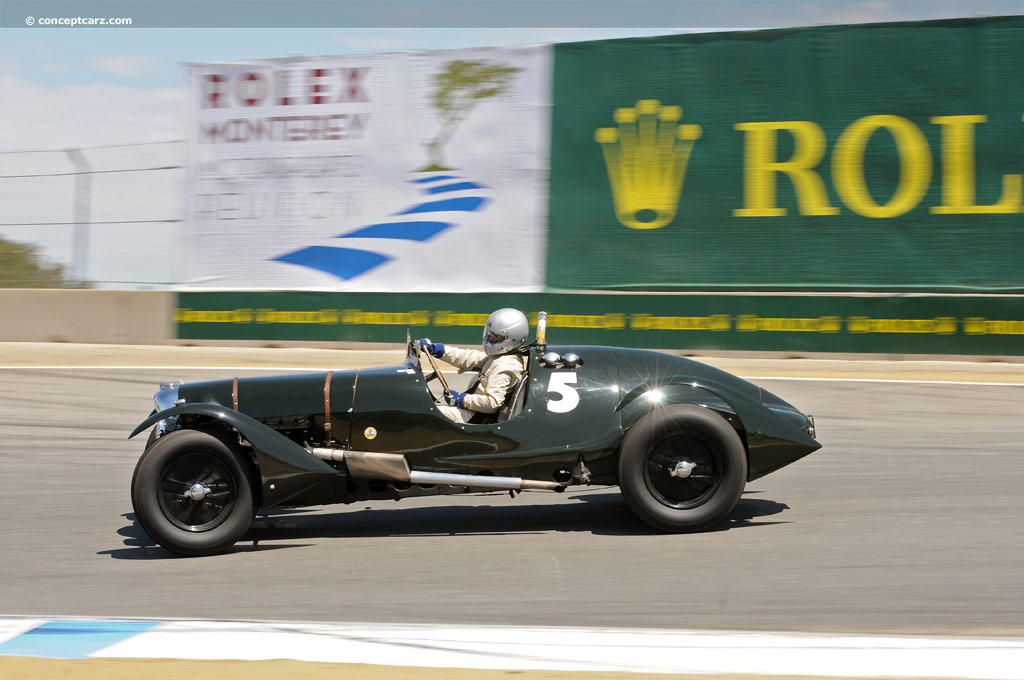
499 365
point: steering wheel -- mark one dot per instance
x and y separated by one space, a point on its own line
437 373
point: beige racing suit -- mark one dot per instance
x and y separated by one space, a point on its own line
498 375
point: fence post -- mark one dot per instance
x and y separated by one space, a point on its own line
80 233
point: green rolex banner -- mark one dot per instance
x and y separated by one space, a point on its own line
881 157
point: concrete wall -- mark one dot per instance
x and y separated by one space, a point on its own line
97 316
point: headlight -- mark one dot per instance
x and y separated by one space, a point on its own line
795 418
167 397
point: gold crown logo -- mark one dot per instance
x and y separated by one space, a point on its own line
646 157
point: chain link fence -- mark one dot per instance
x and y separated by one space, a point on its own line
99 217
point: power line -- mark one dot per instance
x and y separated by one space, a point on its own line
91 148
59 224
92 172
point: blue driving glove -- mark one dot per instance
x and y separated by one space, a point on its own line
436 349
456 399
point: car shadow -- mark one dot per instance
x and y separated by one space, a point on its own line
601 512
139 546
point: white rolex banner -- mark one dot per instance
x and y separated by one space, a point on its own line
422 171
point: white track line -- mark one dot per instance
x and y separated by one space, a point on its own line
584 649
885 380
10 628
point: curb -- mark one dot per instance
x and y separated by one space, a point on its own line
520 648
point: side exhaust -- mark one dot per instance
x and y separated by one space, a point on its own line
394 467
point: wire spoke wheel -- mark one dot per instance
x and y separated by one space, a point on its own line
193 492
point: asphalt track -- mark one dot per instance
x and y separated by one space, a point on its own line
907 521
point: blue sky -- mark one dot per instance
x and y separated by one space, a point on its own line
151 58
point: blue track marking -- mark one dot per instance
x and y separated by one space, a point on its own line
458 186
466 204
345 263
72 639
407 231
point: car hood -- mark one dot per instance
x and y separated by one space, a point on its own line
300 394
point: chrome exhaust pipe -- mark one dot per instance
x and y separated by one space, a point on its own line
337 455
483 481
394 467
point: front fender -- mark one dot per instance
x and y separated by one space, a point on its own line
286 469
638 401
772 441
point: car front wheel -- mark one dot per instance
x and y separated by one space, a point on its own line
193 493
682 468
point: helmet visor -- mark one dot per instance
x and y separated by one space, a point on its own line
494 338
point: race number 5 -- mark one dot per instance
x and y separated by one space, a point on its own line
560 384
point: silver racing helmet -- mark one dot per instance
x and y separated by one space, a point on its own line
506 331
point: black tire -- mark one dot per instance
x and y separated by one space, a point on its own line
204 525
691 435
149 442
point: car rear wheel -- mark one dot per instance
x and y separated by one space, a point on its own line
193 493
682 468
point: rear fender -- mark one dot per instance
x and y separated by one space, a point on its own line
286 469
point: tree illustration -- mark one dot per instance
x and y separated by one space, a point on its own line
459 88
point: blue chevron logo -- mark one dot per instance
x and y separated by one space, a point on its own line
420 223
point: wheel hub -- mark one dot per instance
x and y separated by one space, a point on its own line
197 491
682 469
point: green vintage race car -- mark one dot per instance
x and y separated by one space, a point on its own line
680 438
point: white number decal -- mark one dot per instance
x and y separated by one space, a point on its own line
570 397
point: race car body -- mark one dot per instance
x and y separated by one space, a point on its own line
679 437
